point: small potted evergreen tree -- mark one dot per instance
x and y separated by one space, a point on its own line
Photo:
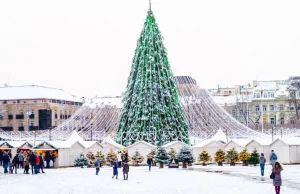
111 156
254 158
204 157
244 156
137 158
232 157
81 161
161 157
220 157
185 156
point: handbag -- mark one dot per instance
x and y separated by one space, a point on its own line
272 176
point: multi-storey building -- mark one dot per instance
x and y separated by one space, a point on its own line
267 105
24 108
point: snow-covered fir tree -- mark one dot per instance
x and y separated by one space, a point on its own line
81 161
185 156
162 157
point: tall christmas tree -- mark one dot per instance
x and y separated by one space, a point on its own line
151 107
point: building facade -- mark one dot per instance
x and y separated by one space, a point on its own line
30 108
268 104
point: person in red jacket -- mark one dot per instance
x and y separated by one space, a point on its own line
37 166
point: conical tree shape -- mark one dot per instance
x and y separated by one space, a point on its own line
151 107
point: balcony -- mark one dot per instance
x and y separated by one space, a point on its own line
21 128
10 117
31 116
19 116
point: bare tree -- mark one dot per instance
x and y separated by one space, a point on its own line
294 97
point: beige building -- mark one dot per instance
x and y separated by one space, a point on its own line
265 105
24 108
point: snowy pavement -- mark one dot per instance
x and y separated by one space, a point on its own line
159 181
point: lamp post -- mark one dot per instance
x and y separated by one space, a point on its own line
28 115
91 132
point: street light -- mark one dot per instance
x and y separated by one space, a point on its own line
28 115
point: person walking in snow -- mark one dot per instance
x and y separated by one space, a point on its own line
26 164
32 161
5 161
97 166
273 158
125 170
21 158
115 169
262 162
15 162
277 181
41 163
119 159
149 162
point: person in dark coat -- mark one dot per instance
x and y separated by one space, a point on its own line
32 161
115 168
149 162
41 163
53 157
6 161
277 181
1 157
48 158
9 154
125 170
15 162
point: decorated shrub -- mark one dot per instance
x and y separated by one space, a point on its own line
232 157
137 158
220 157
111 156
244 156
100 155
204 157
172 153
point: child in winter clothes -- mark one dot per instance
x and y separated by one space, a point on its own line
277 179
115 169
11 168
97 166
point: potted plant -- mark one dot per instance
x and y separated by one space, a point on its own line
244 156
111 155
254 158
81 161
204 157
232 157
137 158
220 157
161 157
185 156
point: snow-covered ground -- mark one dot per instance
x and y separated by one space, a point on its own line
159 181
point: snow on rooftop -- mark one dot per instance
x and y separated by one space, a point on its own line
290 141
109 140
143 142
266 85
241 142
220 136
34 92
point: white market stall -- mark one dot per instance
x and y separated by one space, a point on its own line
142 147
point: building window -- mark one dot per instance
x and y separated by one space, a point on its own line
281 107
272 121
241 112
271 107
265 94
24 102
31 123
291 108
257 109
265 107
272 94
233 112
292 122
298 95
256 95
282 121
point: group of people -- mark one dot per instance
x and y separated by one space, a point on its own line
25 160
276 170
121 162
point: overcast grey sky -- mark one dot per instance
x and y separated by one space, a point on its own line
86 47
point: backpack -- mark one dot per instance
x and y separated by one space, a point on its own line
97 164
274 157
